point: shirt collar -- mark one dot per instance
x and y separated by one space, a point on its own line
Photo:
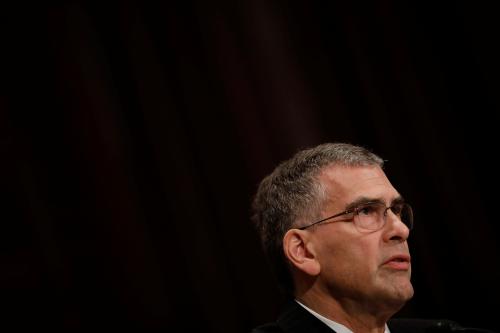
339 328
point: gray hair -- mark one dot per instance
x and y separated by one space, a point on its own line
292 194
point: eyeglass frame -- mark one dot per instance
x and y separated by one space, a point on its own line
355 210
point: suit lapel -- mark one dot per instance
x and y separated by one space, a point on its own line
296 319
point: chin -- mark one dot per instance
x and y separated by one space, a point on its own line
410 293
401 288
402 295
396 296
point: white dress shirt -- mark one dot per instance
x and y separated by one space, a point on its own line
339 328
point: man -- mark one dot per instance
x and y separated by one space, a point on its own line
335 230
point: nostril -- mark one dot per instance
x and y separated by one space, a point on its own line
397 238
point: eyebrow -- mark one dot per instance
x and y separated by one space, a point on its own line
366 200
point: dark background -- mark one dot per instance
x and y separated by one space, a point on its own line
133 136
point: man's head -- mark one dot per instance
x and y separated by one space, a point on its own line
334 255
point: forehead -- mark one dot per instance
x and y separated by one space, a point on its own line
344 184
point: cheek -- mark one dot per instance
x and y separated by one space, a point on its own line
351 258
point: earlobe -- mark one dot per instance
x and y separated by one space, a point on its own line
300 252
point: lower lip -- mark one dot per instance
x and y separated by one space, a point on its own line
398 265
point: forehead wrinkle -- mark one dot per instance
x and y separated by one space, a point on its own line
342 183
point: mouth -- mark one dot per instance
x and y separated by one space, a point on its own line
400 262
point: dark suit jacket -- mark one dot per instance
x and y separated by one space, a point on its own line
296 319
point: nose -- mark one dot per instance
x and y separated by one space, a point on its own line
395 229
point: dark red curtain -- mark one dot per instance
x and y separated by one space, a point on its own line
134 134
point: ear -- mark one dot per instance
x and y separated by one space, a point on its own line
300 251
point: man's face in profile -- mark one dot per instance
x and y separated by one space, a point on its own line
370 268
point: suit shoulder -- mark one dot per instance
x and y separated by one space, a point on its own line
268 328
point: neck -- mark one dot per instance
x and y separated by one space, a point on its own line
358 317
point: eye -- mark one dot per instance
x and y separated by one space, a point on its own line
397 208
367 210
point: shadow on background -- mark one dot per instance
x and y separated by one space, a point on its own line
133 137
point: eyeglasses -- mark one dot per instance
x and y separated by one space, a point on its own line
372 216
